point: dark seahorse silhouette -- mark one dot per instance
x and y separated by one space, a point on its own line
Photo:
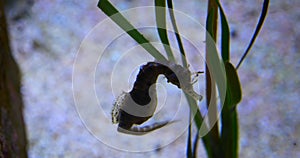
137 106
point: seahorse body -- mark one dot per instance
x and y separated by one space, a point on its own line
139 104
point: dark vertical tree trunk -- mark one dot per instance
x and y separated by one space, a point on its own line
12 127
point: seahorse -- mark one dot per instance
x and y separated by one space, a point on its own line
137 106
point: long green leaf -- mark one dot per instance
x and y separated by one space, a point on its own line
122 22
257 29
160 14
210 23
179 42
197 116
195 110
212 138
215 76
195 145
189 150
225 36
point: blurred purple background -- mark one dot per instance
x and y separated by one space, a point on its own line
45 37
